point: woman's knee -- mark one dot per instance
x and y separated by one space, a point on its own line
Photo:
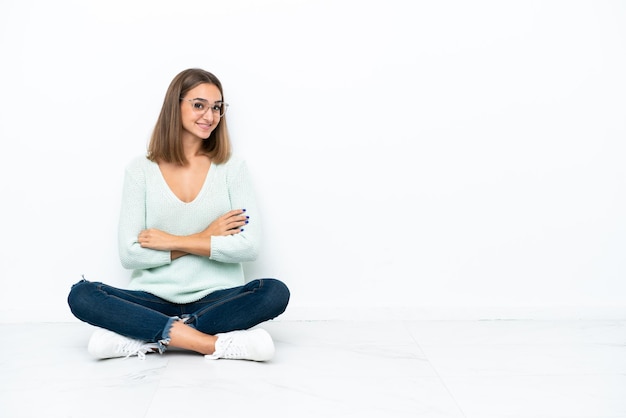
80 297
279 294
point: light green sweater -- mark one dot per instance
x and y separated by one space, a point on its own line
148 202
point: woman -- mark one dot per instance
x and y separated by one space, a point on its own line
188 220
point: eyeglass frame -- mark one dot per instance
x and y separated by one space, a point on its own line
223 103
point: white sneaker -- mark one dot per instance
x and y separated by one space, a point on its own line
254 345
107 344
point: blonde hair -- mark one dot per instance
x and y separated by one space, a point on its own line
165 142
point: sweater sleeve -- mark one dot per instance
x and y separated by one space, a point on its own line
133 220
243 246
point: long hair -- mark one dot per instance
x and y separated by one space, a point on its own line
165 142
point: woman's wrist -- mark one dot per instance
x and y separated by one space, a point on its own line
174 254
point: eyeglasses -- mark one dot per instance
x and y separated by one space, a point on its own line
201 106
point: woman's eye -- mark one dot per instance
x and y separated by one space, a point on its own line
198 105
217 108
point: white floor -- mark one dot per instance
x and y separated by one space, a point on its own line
471 369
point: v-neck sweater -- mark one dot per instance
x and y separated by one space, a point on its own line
148 202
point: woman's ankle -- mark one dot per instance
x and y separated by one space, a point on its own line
188 338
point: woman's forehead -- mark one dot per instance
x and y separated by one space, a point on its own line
204 91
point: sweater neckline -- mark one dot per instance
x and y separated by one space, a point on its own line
173 195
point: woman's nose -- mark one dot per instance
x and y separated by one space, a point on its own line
208 116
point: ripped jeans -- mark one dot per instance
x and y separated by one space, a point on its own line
144 316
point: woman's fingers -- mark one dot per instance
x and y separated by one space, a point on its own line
230 223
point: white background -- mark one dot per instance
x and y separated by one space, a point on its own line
427 158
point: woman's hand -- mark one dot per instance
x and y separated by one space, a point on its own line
230 223
156 239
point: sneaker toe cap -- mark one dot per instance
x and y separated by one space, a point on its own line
263 348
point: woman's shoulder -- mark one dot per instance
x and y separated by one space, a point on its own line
234 163
140 162
139 166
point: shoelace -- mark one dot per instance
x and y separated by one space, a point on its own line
227 350
233 351
132 347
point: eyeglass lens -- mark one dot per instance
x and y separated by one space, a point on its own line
201 106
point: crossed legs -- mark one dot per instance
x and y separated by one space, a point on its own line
142 316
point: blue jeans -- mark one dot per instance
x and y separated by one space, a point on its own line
144 316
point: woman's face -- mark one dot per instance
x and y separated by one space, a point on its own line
199 110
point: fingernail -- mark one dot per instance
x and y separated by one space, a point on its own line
243 210
246 221
241 230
